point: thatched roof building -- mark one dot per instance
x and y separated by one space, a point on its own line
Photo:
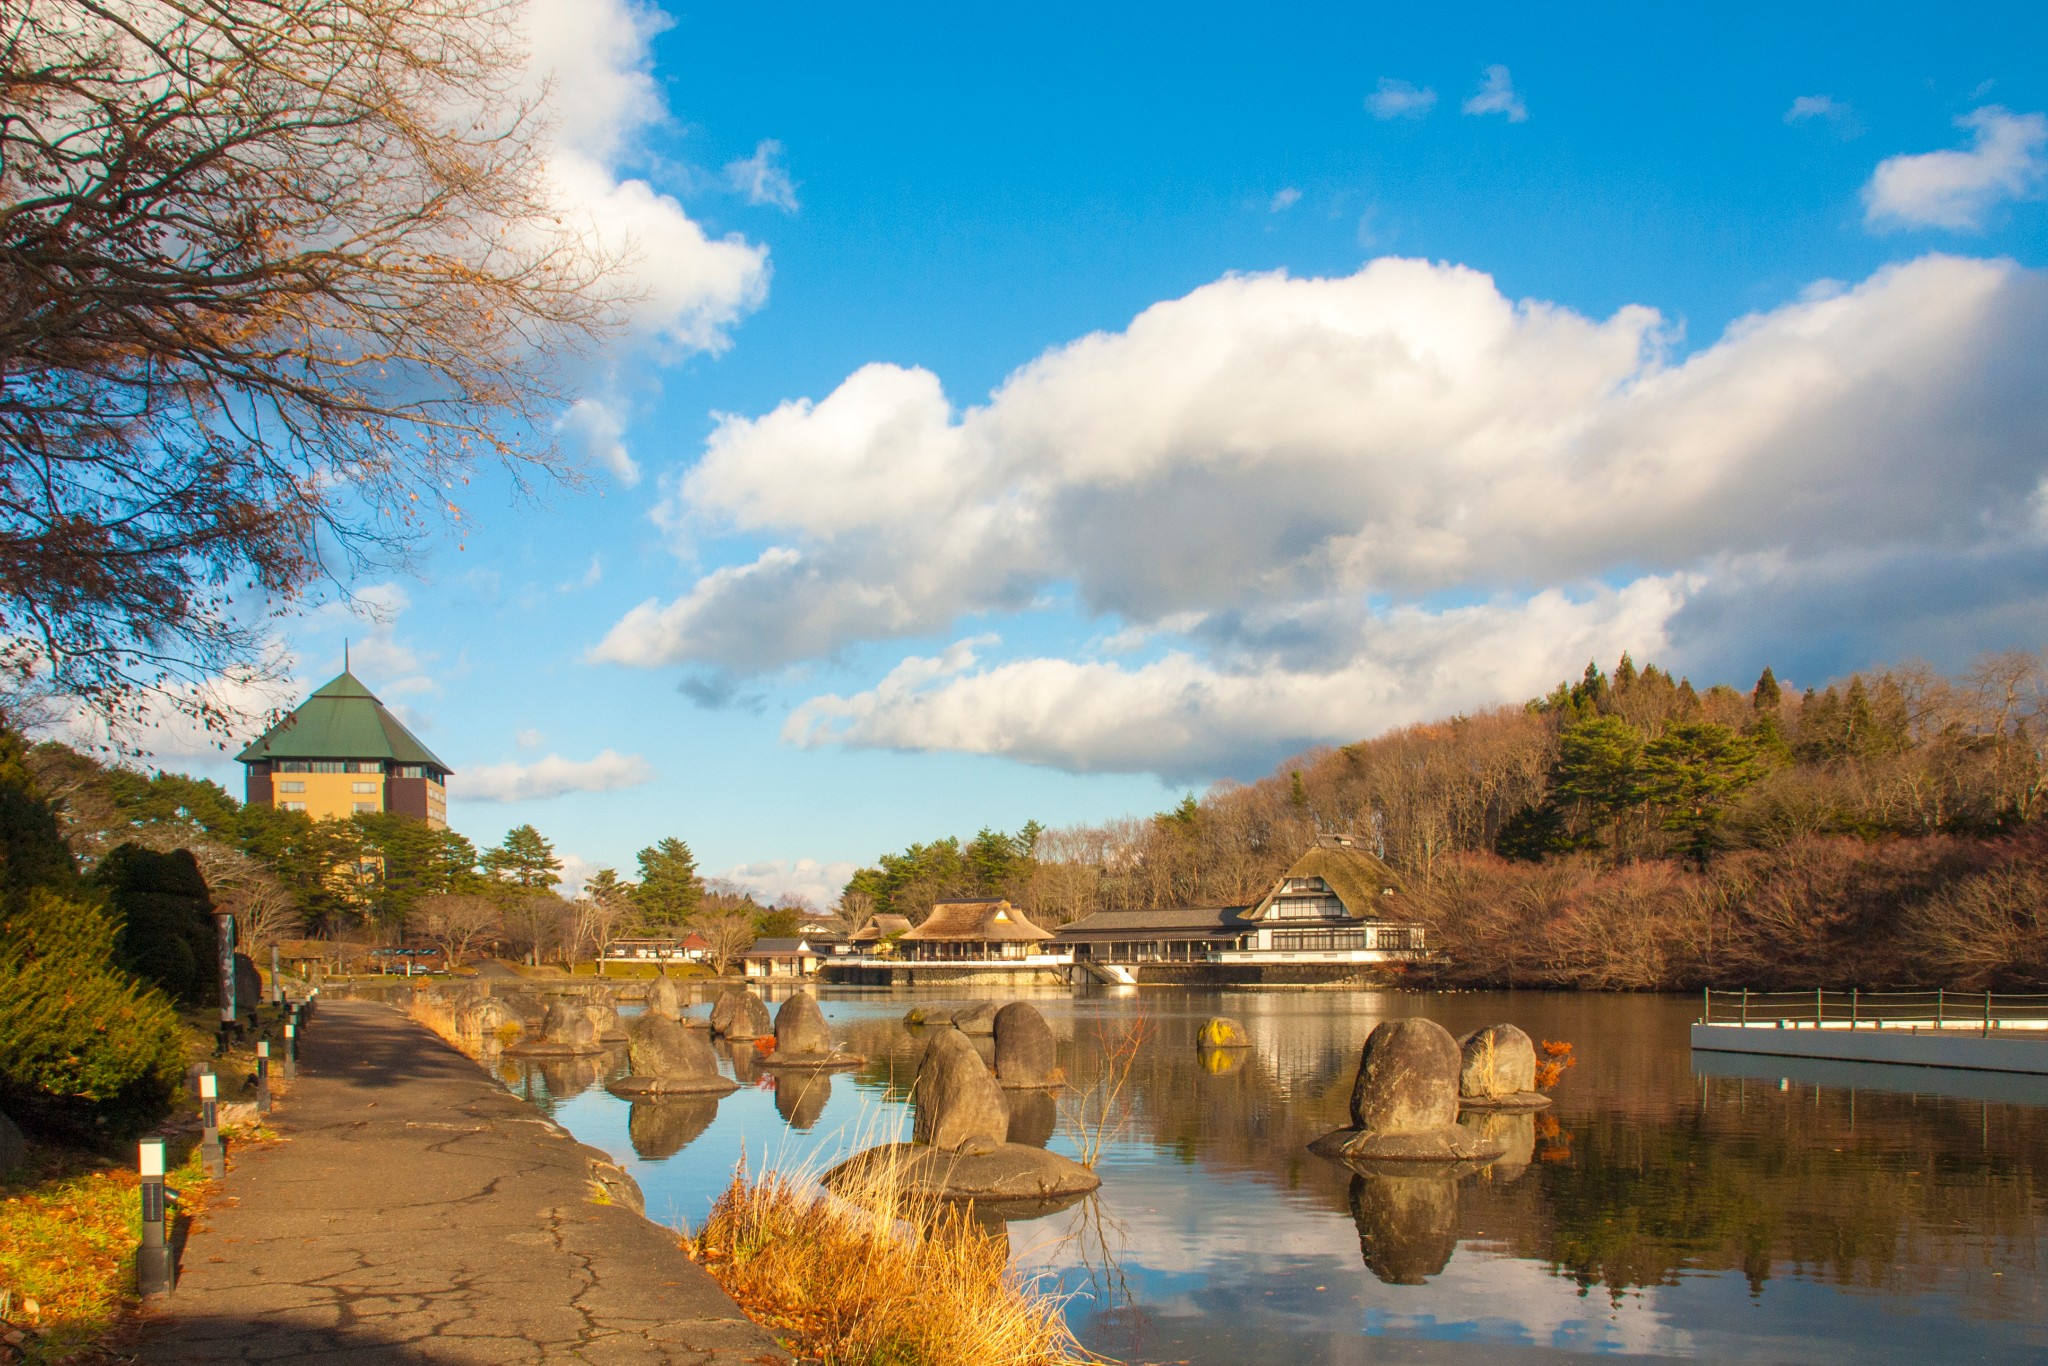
983 928
881 927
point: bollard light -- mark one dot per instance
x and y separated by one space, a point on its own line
263 1077
291 1050
210 1151
153 1274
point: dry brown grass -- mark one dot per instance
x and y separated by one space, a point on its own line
878 1277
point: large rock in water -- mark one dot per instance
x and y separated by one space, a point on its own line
956 1099
1497 1070
1220 1031
976 1019
664 997
802 1038
604 1018
564 1028
1027 1055
740 1014
668 1059
1404 1105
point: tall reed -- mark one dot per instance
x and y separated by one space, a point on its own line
878 1274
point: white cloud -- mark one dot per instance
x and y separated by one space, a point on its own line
1827 107
595 433
1277 489
1397 99
1190 719
593 68
1284 200
553 776
529 738
770 880
169 725
761 179
1957 189
1496 95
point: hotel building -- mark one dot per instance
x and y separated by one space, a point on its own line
340 754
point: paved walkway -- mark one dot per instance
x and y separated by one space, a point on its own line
420 1213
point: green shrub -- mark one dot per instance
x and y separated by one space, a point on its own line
167 933
84 1046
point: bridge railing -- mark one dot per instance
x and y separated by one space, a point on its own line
1939 1008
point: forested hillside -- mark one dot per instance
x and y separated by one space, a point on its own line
1627 830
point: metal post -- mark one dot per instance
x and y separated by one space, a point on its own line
291 1047
153 1272
1745 1005
1940 1007
276 980
224 927
1820 1006
210 1151
1854 999
1987 1014
263 1077
1706 1005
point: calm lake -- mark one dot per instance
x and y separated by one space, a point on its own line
1668 1205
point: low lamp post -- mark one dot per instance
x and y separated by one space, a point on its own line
291 1046
211 1153
153 1272
263 1077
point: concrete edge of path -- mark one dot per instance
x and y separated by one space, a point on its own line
420 1213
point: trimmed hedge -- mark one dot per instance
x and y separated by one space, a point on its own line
86 1047
165 914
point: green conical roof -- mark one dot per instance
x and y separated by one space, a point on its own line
342 720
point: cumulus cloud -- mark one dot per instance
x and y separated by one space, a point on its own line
1957 189
762 179
1396 99
595 433
553 776
1274 488
1284 200
1825 109
807 880
1496 95
1189 719
592 59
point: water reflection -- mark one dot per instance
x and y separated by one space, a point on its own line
662 1128
800 1097
1407 1224
1780 1217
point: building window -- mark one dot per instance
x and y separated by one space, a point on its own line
291 787
295 806
1318 941
360 766
293 766
411 770
1400 939
365 808
362 788
1307 908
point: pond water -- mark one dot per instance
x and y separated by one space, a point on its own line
1668 1205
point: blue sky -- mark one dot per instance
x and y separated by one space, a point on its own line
1434 394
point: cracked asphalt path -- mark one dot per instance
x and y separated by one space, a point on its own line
421 1213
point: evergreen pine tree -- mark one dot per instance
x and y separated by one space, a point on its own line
670 890
1765 695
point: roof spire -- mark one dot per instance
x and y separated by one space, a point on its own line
344 654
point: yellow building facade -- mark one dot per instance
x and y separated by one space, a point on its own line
341 753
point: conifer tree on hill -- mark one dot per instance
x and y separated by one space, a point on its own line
670 890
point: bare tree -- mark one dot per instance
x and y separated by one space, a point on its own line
458 923
729 933
274 274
